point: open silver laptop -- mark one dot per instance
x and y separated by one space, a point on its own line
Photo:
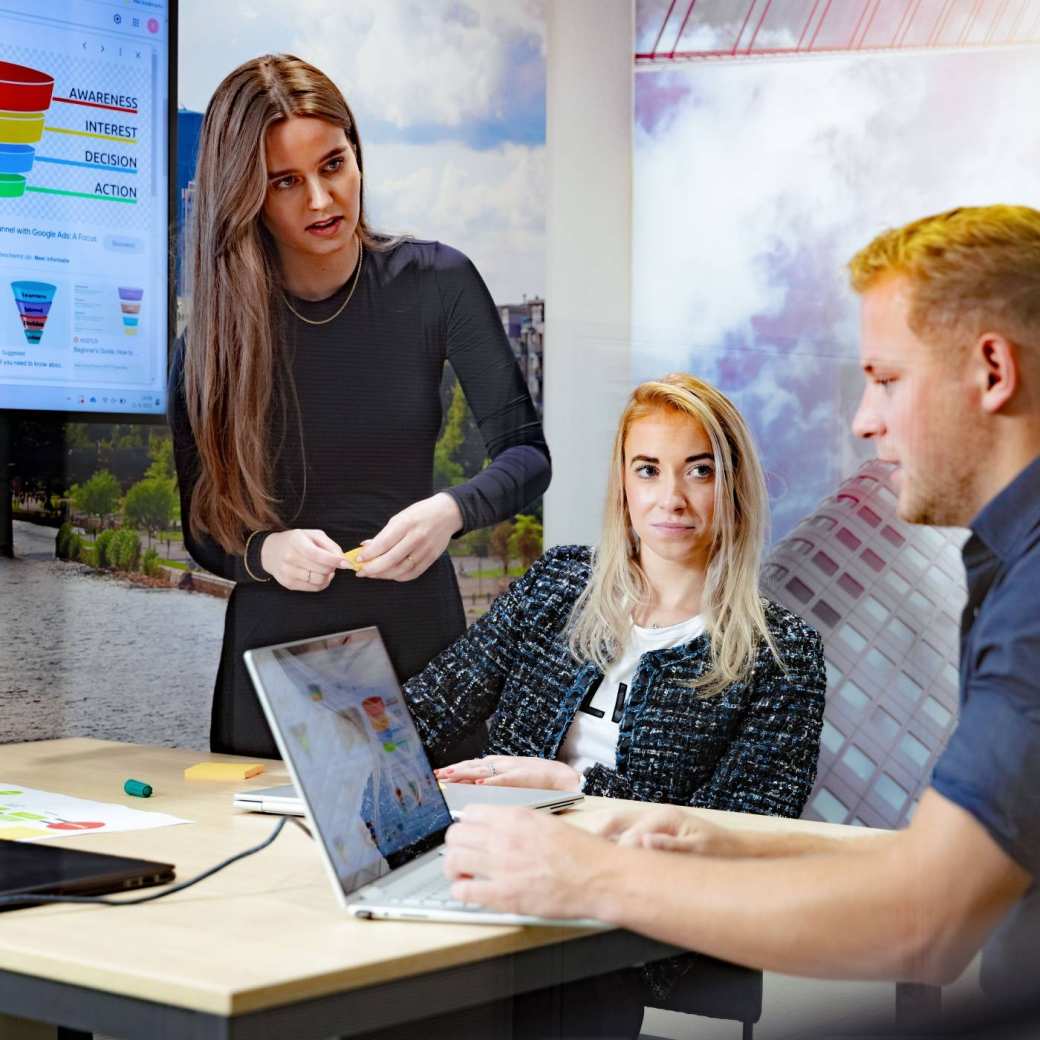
284 801
345 732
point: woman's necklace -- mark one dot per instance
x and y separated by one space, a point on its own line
650 622
341 307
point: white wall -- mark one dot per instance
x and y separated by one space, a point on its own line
588 269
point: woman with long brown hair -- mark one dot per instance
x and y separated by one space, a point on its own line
305 392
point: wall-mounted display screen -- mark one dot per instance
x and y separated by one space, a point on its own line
84 205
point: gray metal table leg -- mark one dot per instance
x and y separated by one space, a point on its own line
917 1004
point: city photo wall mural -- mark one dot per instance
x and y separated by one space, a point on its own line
771 141
449 96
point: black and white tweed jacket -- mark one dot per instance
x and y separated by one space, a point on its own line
751 748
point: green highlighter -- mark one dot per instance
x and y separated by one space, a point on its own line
138 788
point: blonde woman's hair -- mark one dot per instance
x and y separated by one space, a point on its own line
971 270
235 377
732 609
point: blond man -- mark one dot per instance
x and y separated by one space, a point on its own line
950 348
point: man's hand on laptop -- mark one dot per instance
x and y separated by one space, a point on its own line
667 828
513 771
521 862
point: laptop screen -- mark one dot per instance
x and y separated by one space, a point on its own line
346 732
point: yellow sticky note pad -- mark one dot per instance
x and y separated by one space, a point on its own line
352 559
223 771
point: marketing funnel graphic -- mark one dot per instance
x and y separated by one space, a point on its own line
34 304
25 95
130 306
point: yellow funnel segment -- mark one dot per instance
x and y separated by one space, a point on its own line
21 127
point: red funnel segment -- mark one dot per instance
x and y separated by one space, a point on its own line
23 89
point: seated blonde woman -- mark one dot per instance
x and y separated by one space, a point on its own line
650 668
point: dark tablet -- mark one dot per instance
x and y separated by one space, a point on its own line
26 867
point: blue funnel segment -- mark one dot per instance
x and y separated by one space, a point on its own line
16 158
34 304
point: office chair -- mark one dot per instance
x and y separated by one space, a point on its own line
717 989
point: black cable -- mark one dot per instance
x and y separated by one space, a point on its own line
28 897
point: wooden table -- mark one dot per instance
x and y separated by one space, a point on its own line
262 949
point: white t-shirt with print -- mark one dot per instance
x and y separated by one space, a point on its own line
593 735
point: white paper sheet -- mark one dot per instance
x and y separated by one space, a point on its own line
27 814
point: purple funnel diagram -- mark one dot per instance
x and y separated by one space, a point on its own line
34 304
130 305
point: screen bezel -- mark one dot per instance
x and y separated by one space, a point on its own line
58 416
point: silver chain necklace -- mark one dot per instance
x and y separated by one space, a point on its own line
341 308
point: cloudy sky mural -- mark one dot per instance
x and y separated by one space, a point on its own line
450 100
755 180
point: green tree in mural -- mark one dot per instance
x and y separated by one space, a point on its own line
76 436
476 543
160 451
151 503
98 496
499 543
526 540
447 471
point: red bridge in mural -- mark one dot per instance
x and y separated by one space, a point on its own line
690 30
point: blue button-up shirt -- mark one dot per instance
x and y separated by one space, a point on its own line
991 766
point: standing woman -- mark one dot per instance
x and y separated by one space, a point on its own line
305 393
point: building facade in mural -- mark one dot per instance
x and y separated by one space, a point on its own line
753 184
886 597
525 326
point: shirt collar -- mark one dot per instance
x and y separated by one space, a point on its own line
1009 515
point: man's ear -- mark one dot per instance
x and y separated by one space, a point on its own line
999 372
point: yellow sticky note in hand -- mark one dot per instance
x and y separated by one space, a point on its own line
351 556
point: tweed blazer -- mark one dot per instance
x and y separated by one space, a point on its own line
750 748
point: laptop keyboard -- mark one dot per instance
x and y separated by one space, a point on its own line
428 887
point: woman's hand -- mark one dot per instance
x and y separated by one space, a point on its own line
509 771
666 828
303 561
411 540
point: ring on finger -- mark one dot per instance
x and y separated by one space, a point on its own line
309 580
492 771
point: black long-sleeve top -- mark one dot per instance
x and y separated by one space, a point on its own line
368 390
367 385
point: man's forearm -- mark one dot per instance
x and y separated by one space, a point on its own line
898 907
751 844
829 915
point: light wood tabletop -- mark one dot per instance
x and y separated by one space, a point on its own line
265 932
